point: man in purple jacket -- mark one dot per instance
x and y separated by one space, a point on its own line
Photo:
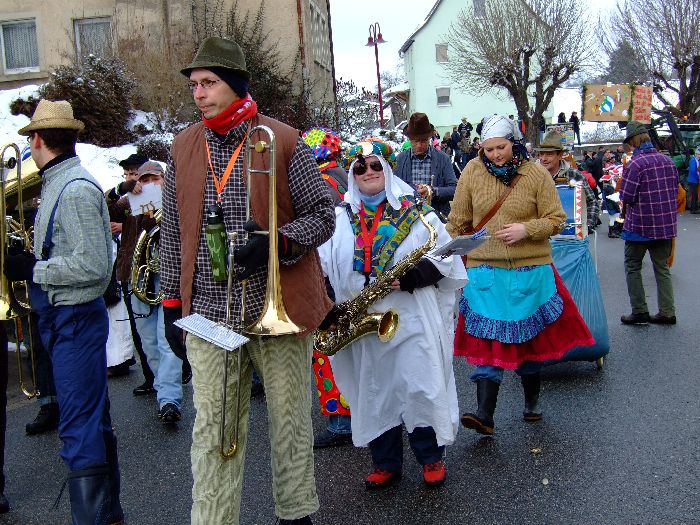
649 190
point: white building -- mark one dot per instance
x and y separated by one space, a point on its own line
430 91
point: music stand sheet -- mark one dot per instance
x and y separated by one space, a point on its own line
211 331
461 245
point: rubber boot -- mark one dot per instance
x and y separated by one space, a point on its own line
116 513
486 397
89 496
531 389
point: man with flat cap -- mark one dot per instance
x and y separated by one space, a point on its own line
426 168
206 183
67 275
124 223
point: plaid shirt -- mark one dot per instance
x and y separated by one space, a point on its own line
80 263
649 190
421 167
567 174
313 225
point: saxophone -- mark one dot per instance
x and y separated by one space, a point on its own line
355 321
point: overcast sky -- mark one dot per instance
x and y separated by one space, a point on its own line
350 21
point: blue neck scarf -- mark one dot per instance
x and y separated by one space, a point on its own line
644 146
372 201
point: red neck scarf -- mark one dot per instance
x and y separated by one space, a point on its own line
232 116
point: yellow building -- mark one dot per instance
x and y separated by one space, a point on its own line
35 37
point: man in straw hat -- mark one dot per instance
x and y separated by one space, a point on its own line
206 182
648 191
551 156
67 274
425 168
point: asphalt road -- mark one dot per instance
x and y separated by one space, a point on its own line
617 446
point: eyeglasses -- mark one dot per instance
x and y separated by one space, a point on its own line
206 84
30 137
361 168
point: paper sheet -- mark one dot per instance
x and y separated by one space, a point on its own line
211 331
149 200
462 245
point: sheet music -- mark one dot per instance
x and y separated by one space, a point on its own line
149 200
211 331
462 245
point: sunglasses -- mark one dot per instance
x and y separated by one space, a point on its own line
361 168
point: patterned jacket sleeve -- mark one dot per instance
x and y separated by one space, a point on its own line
170 262
313 206
592 204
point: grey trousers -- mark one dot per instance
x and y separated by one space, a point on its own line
659 252
283 364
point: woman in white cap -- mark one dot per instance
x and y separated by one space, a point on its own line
515 312
408 380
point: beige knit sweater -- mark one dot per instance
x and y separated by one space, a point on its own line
534 202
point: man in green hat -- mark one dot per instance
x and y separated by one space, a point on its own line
207 181
551 156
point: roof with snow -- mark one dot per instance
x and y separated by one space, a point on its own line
403 87
411 38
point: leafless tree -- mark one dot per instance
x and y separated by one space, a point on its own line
528 48
667 39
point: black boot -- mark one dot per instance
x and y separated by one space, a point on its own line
116 513
306 520
45 421
89 496
531 388
486 397
613 232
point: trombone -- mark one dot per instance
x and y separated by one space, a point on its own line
14 232
274 320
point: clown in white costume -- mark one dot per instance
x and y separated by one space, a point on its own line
409 379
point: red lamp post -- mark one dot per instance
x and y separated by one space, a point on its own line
375 37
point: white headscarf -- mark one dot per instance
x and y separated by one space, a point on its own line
393 186
499 126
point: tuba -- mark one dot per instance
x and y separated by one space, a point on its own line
146 263
355 321
274 320
13 233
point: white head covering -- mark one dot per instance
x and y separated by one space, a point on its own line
499 126
393 186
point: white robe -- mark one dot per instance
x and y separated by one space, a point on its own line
408 379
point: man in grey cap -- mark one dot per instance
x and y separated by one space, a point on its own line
67 274
205 188
551 155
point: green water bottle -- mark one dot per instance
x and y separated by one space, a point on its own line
215 234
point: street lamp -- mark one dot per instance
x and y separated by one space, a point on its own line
375 37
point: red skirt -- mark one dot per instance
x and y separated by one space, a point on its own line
567 332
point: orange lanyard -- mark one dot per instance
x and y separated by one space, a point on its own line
221 184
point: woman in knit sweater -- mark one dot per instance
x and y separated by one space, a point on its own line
515 312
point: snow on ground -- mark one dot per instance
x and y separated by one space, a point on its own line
102 163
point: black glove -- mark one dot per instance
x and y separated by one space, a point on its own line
19 266
127 186
331 318
421 275
254 254
173 334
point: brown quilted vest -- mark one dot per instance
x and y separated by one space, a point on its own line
303 287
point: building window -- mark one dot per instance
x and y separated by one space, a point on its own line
19 48
441 52
93 36
443 96
479 8
320 45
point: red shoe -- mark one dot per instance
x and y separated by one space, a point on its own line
381 479
434 473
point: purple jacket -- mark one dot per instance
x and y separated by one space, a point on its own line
649 189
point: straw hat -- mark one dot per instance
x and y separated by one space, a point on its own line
52 115
552 141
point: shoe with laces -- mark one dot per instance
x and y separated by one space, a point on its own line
381 479
45 421
434 473
636 319
169 414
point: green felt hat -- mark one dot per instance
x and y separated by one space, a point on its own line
218 53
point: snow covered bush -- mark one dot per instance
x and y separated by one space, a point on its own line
101 92
155 147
